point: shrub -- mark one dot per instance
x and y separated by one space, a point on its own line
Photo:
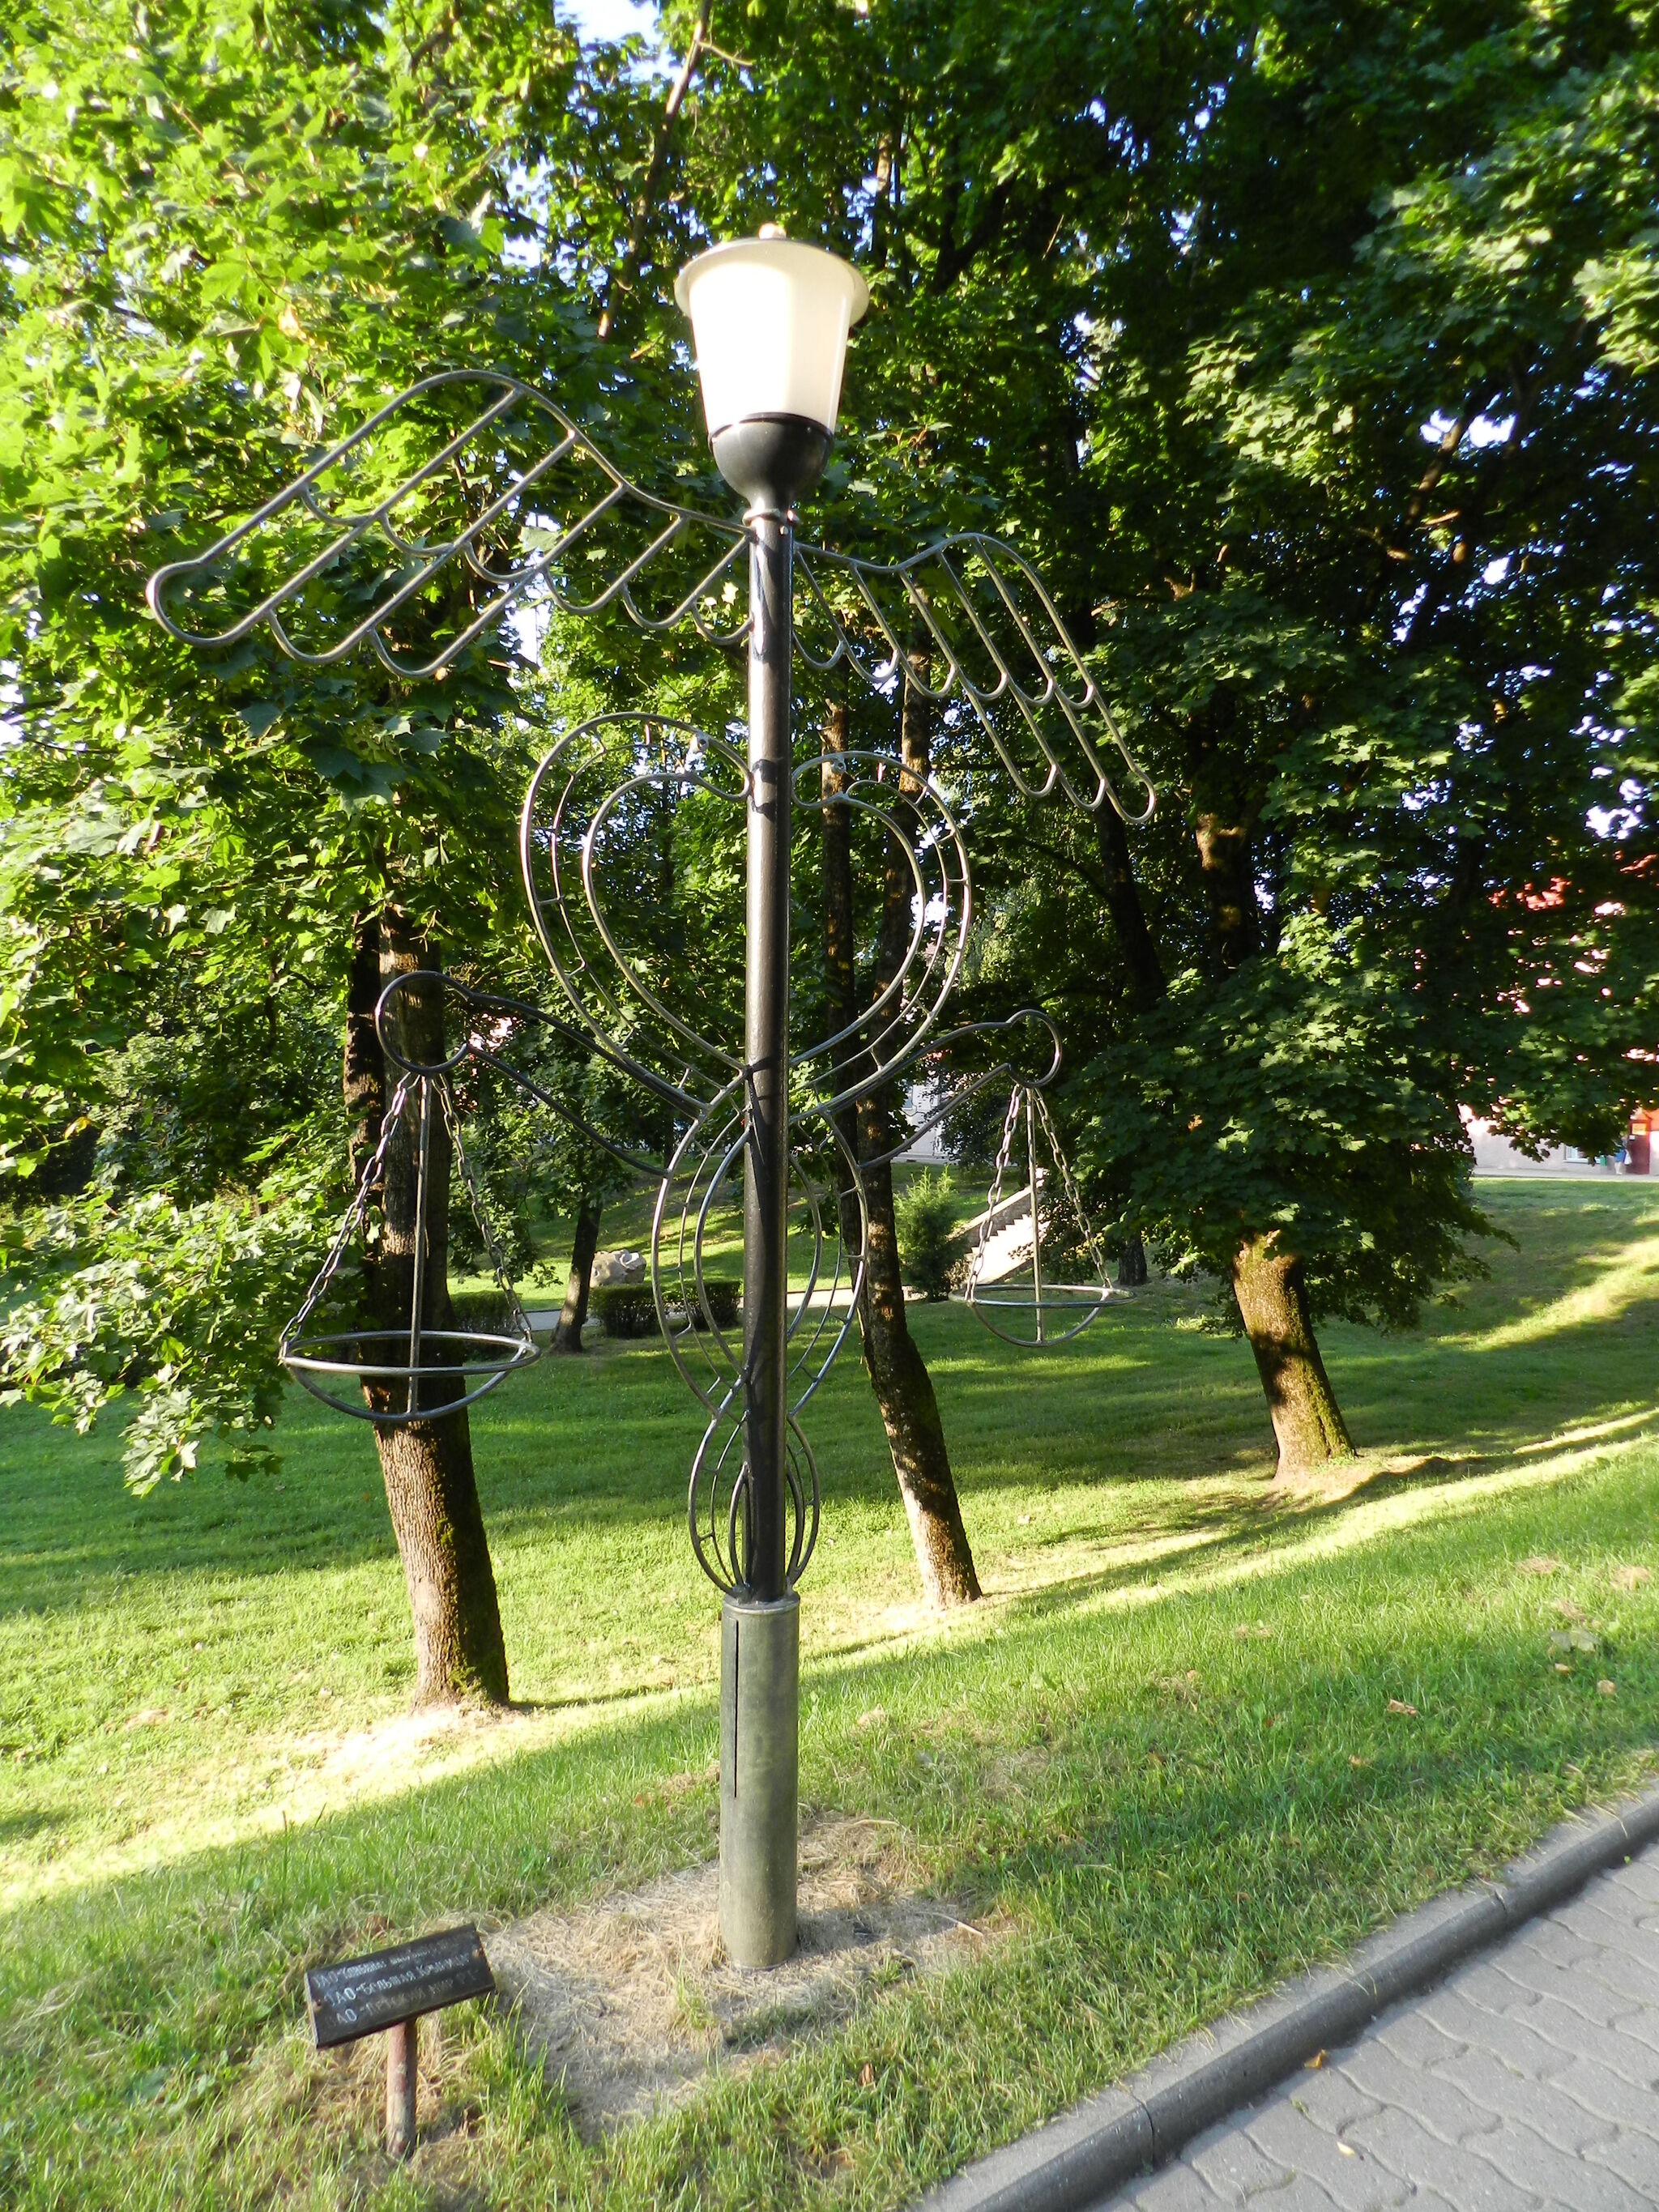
924 1213
625 1309
487 1310
629 1310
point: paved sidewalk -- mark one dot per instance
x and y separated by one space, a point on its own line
1528 2078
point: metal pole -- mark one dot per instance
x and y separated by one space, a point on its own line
402 2080
760 1643
1036 1218
766 1052
422 1201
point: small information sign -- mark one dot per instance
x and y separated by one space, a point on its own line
363 1997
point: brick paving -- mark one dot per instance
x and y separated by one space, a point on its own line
1525 2082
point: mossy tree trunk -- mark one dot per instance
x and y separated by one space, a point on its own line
1273 1303
904 1389
426 1464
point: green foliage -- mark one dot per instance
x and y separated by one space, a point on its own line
629 1310
924 1213
231 230
1300 1099
175 1307
1313 359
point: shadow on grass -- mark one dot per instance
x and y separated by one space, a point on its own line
1233 1529
19 1827
613 1449
1156 1818
608 1440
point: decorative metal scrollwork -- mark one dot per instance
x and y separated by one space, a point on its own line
704 1180
477 482
718 1504
1009 1287
590 803
471 497
510 495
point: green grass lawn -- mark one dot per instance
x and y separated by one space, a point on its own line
1163 1763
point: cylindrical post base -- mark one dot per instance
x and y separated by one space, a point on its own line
760 1772
402 2080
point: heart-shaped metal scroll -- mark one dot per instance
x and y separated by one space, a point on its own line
614 807
923 833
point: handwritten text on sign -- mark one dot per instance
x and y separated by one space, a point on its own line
364 1995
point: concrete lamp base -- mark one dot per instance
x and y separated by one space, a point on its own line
760 1772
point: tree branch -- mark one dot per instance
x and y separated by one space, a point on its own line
629 269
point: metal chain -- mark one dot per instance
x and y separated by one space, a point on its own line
1070 1196
1073 1194
995 1199
354 1217
480 1214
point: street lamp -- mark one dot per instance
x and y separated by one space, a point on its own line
503 506
770 318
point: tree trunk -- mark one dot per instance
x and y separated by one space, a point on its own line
1135 941
904 1389
427 1464
1224 809
1132 1263
568 1336
1268 1283
1272 1302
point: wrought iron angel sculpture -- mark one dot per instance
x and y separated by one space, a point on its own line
471 500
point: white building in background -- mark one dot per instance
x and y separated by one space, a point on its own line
929 1151
1494 1155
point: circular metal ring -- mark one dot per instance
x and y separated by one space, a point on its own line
476 1351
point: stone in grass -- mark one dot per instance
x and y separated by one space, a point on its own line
614 1268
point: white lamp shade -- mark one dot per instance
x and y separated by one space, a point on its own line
769 317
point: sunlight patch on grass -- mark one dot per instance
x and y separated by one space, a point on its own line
1202 1733
257 1786
188 1671
1623 1279
1282 1546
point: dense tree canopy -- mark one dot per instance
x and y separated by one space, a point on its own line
1312 354
1309 351
229 229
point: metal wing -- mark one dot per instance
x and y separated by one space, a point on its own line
979 610
472 494
467 495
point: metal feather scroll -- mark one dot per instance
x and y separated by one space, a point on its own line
467 495
472 494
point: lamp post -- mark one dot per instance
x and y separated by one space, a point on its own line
770 318
505 505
